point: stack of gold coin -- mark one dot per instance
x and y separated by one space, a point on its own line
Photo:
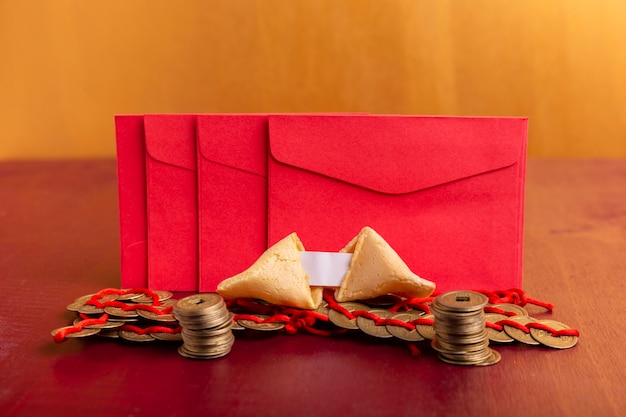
206 326
461 337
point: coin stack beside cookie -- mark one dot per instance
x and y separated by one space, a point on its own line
206 326
461 336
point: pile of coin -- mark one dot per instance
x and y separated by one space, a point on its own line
122 314
376 319
207 326
461 336
413 322
460 329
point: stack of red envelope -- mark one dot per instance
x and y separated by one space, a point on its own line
203 195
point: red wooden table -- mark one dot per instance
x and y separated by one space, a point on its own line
59 240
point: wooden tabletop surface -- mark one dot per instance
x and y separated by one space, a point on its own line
59 240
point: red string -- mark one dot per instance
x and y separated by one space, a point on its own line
95 301
414 303
330 299
532 325
489 309
514 296
423 321
413 349
496 326
296 319
249 304
62 334
554 332
400 323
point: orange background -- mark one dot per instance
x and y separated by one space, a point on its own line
68 66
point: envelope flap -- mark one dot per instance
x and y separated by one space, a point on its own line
397 154
171 139
236 141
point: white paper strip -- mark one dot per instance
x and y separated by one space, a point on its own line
325 269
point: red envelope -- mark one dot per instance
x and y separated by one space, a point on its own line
447 193
172 196
131 168
232 177
450 199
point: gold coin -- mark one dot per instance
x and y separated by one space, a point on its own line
135 337
457 317
170 337
211 344
162 295
495 317
75 306
206 333
208 342
558 342
104 298
214 354
462 343
120 312
198 304
403 333
383 301
234 324
498 336
130 296
182 351
107 297
520 335
466 356
511 308
323 309
125 319
461 301
459 329
83 298
251 324
150 315
170 302
465 359
495 335
82 333
343 321
221 318
417 313
427 331
369 326
89 309
106 325
493 358
237 326
109 333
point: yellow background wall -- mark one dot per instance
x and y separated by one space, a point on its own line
68 66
